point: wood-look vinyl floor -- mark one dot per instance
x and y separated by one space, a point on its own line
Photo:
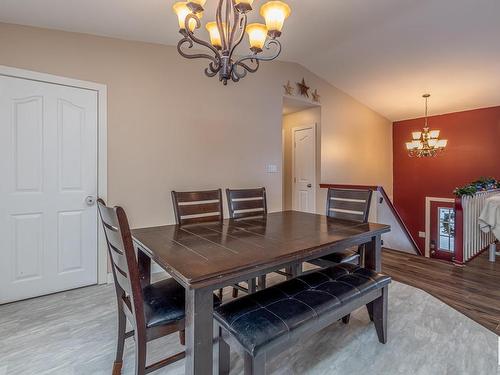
473 290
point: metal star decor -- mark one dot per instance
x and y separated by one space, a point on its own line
288 88
316 96
303 88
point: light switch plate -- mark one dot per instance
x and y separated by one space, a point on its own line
421 234
271 168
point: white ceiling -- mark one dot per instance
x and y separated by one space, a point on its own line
385 53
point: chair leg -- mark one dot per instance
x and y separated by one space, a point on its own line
224 356
369 308
182 337
122 326
380 315
254 366
252 285
221 292
346 319
235 292
262 282
140 354
361 251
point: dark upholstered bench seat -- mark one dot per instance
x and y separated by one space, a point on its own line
280 315
346 256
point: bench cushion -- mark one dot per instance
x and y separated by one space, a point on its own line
257 320
346 256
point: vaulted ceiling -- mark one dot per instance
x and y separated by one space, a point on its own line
385 53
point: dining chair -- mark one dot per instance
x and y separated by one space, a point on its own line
245 204
153 310
351 205
195 207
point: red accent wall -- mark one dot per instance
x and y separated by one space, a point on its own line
473 151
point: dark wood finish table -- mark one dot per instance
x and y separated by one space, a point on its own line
205 257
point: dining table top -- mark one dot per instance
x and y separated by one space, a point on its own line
204 253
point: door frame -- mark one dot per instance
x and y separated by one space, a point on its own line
302 127
428 201
102 144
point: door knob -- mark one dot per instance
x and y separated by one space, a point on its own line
309 185
90 200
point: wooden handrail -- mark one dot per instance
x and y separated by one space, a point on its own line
382 192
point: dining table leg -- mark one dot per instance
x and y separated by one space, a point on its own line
144 263
373 261
373 254
199 331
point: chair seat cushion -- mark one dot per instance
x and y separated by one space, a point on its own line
257 320
164 302
346 256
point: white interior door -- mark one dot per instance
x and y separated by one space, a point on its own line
304 169
48 168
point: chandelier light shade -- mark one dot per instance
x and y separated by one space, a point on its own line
227 32
275 13
257 34
181 10
215 37
426 143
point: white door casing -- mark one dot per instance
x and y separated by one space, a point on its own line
304 168
428 201
49 166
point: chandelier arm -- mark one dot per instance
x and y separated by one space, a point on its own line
263 58
235 25
243 26
236 75
247 67
186 40
229 6
209 72
220 25
201 42
212 69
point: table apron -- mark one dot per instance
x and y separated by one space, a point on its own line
247 274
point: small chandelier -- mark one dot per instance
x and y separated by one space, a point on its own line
226 34
426 144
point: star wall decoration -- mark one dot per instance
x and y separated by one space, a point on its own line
316 96
303 88
288 88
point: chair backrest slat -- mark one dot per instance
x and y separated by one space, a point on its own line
348 204
197 206
246 203
123 260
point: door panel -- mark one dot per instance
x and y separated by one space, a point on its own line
304 169
48 155
442 236
27 246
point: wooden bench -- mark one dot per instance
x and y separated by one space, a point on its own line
261 325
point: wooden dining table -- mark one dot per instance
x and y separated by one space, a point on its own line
206 257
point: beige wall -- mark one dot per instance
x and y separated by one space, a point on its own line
170 127
302 118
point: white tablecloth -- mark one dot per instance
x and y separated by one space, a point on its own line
489 221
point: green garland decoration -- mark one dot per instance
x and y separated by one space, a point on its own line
483 184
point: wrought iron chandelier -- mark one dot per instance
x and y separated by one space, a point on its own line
227 32
426 143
